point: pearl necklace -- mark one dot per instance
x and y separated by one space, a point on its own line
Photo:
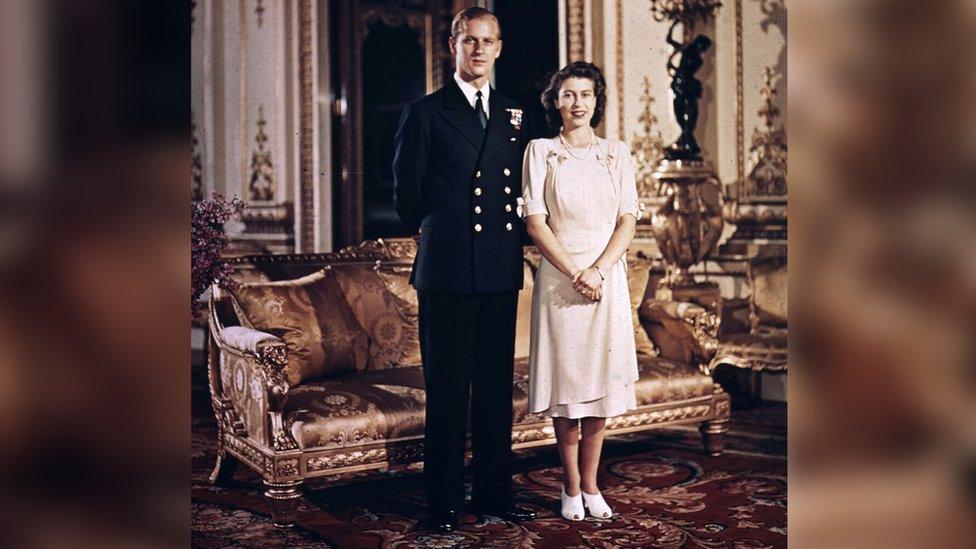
569 150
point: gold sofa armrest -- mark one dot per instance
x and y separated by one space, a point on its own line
683 332
247 380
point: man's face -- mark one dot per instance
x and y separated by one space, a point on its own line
476 47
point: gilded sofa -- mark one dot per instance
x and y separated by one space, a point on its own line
314 370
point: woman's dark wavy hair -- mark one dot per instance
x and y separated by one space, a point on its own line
577 69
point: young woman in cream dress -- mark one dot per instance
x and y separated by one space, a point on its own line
580 209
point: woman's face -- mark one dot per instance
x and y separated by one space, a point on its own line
576 102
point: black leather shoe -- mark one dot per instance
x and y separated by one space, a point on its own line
512 513
442 521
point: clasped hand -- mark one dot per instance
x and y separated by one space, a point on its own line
589 283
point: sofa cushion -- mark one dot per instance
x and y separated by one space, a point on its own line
359 408
661 380
310 315
769 291
523 319
638 273
397 280
393 339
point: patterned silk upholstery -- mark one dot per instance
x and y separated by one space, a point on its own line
373 406
663 380
397 279
322 335
357 408
392 341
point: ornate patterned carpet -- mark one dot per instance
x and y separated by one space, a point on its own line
664 490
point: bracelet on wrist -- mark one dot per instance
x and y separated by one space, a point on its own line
603 275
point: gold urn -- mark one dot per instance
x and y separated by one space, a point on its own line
688 222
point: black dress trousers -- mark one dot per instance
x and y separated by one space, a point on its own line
468 343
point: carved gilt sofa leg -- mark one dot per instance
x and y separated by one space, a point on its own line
224 469
713 436
283 498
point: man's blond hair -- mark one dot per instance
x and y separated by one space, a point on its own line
468 14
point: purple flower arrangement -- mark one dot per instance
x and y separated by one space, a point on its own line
208 241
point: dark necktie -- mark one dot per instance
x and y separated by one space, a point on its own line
480 108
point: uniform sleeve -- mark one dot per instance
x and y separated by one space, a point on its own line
628 184
410 166
534 169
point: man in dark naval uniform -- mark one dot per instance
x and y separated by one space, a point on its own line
457 171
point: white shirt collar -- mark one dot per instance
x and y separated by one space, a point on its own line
470 91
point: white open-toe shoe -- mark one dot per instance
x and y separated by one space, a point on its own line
572 506
596 505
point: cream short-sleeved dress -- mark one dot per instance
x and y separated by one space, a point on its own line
582 358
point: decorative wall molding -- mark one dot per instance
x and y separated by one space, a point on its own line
576 27
767 178
259 12
647 146
769 7
619 55
440 53
272 219
307 122
201 100
196 162
739 101
261 185
394 17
